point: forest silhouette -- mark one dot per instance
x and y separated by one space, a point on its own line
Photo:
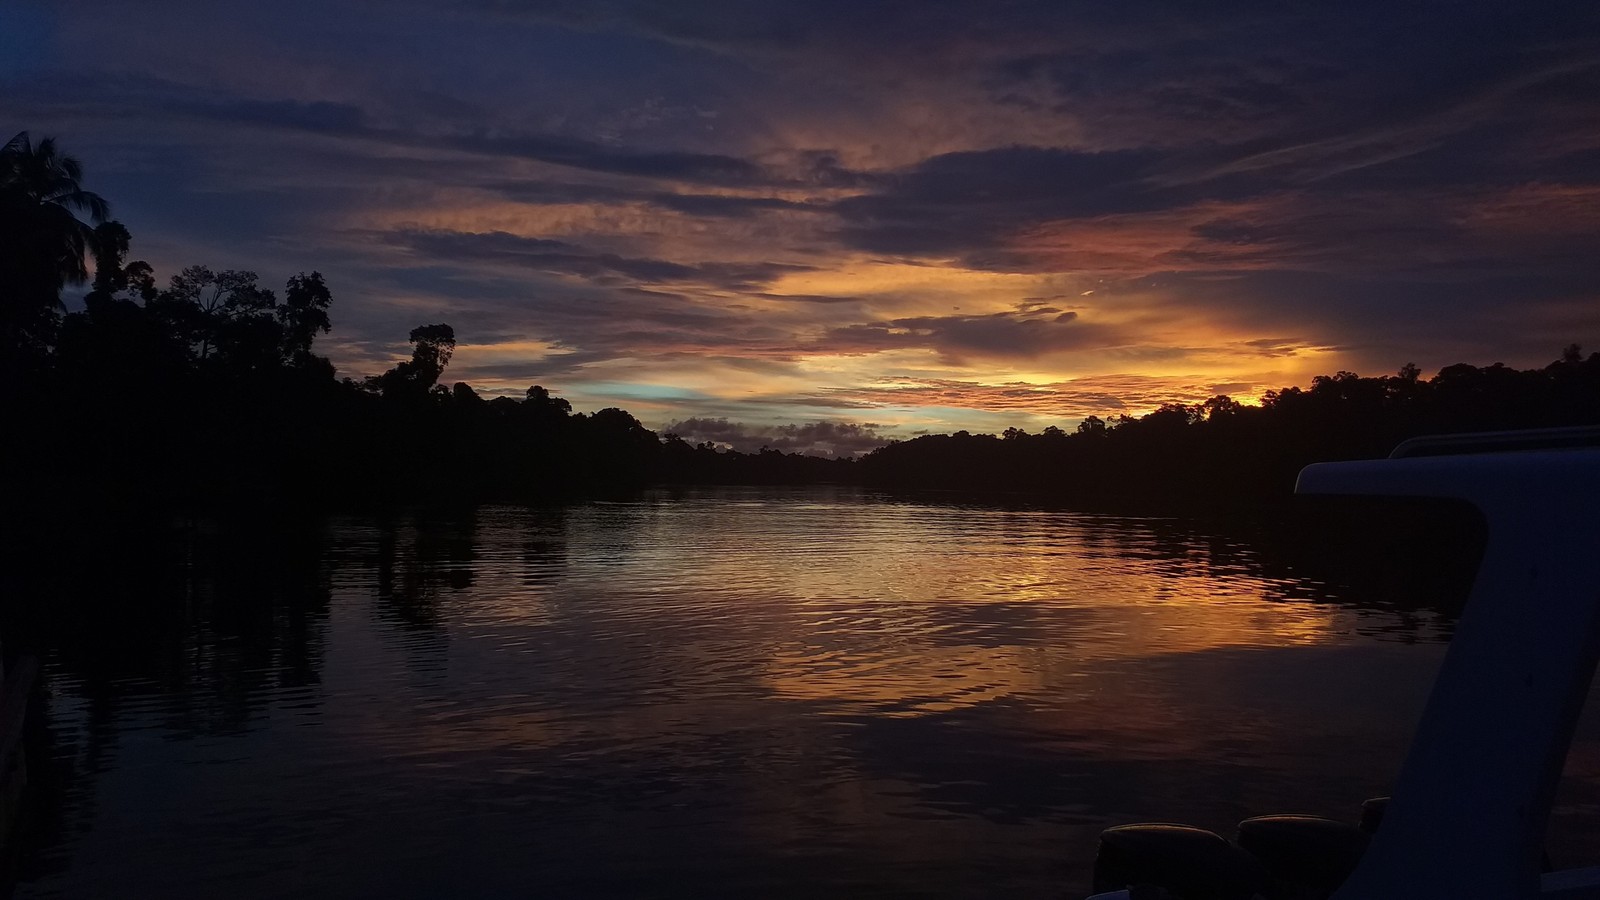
208 393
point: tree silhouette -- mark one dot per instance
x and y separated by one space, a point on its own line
223 314
433 345
1224 453
303 315
45 187
110 248
207 394
431 349
42 242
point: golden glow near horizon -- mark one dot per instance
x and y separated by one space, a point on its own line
974 229
1142 348
760 317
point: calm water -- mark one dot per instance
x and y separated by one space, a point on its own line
723 693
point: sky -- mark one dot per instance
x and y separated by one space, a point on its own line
822 225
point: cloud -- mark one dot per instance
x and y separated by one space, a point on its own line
1276 347
559 257
753 202
959 204
825 438
1417 233
1021 334
124 96
1101 395
783 202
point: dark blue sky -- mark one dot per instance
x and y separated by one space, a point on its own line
887 217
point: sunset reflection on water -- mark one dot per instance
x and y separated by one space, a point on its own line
733 692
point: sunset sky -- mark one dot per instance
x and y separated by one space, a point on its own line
826 224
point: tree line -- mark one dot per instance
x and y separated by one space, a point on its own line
208 391
1225 452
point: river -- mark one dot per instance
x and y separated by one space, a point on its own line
722 692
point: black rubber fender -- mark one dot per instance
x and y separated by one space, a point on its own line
1187 862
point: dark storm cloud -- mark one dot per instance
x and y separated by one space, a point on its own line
817 438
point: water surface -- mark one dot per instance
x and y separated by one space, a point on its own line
730 693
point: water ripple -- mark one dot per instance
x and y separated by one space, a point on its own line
726 692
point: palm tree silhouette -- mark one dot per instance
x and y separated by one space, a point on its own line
40 184
42 240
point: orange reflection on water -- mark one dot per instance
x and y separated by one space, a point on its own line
1034 640
908 609
856 608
